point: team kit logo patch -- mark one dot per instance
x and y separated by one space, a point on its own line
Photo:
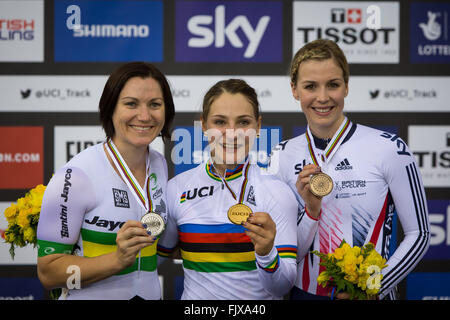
120 198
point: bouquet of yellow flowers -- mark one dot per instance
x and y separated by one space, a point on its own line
23 217
356 270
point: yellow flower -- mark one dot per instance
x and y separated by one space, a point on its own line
323 278
374 258
356 251
23 220
9 237
339 253
36 196
11 213
29 235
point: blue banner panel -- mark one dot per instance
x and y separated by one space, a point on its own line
190 146
108 31
228 31
428 286
430 32
21 289
439 215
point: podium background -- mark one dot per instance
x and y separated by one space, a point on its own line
51 81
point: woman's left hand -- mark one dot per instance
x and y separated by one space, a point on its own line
262 230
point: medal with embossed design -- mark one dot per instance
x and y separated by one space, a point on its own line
321 184
238 213
154 222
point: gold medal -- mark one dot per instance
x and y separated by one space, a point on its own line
321 184
239 213
155 223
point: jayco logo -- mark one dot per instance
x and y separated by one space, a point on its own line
230 31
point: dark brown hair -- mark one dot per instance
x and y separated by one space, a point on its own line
233 86
115 84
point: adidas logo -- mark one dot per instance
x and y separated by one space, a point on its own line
344 165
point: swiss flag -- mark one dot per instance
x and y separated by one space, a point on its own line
354 15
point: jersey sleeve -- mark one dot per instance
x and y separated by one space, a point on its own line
274 167
306 225
405 185
169 239
68 196
277 270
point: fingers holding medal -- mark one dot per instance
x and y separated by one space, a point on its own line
154 223
261 230
312 184
320 184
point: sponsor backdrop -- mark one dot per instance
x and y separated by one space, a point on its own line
53 69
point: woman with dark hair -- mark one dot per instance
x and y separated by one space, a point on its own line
236 226
91 235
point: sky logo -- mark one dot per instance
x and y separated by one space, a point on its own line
228 31
430 33
108 30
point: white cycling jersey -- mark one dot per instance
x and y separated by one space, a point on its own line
86 202
219 260
374 174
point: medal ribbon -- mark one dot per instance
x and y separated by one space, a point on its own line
244 183
142 197
331 148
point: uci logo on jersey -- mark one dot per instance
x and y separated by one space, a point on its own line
200 192
228 31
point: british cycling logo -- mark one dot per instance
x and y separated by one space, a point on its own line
228 31
84 33
15 29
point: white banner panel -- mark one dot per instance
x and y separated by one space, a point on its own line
70 140
22 31
367 32
366 94
431 146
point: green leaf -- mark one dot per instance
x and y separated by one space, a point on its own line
11 251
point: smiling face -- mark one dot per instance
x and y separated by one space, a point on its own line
321 90
139 114
231 127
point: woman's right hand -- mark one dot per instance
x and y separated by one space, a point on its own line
312 203
131 238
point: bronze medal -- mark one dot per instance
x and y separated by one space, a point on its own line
155 223
321 184
239 213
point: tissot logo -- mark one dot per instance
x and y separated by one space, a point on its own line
341 15
228 31
366 32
